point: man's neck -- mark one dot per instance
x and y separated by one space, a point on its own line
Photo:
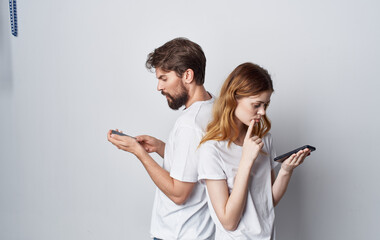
199 93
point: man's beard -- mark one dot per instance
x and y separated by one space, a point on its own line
178 101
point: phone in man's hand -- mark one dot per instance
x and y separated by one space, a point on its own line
120 133
282 157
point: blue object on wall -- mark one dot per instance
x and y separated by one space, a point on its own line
13 11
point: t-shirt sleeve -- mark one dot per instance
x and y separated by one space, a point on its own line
185 157
210 164
272 152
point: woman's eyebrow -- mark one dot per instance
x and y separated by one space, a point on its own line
261 102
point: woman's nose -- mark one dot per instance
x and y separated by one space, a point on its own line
261 111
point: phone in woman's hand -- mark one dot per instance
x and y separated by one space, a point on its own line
282 157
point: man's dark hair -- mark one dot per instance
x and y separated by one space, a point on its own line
178 55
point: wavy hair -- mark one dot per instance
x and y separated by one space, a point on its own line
247 79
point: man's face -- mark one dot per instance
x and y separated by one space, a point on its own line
172 87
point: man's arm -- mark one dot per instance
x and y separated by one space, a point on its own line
152 144
176 190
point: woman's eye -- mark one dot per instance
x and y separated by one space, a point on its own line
257 106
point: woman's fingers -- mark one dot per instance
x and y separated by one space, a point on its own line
293 159
249 131
301 155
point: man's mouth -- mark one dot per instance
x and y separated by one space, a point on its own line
168 97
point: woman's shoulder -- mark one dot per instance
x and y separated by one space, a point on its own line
268 142
210 143
213 144
267 139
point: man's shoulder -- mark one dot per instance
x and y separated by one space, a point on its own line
197 116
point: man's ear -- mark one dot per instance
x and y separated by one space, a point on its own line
188 76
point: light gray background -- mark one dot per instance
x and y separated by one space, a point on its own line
77 69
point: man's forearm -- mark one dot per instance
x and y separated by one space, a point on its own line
163 180
161 149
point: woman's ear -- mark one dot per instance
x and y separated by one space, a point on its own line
188 76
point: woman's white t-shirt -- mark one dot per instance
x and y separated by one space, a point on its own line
218 161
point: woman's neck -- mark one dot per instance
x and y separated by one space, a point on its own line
242 132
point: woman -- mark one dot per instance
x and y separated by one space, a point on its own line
236 158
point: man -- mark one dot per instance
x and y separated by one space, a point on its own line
180 205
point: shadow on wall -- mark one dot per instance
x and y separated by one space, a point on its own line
288 134
5 52
289 211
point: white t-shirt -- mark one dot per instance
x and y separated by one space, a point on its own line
192 219
218 161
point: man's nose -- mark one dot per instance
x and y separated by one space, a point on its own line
159 86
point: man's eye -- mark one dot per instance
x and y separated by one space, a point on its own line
257 106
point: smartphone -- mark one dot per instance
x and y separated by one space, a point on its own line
121 134
282 157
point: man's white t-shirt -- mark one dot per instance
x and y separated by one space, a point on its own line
190 220
218 161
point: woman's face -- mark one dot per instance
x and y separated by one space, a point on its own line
252 108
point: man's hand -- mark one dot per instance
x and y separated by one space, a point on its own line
125 143
151 144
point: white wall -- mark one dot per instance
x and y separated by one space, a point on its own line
77 69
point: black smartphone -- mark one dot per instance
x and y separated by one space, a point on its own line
121 134
282 157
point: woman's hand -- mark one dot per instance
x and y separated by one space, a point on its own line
281 183
295 160
251 145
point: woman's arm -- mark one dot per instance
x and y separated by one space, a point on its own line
280 184
229 207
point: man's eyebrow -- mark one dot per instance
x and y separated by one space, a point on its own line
161 76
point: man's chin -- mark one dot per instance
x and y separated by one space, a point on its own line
175 104
174 107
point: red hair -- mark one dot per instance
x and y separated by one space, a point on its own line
245 80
